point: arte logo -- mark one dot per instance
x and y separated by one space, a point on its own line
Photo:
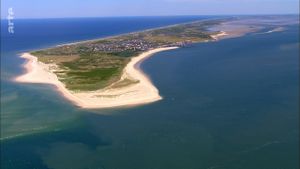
10 18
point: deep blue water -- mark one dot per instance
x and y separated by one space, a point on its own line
231 104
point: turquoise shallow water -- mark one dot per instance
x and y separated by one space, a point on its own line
230 104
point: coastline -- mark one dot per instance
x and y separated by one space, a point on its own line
219 36
134 87
142 92
139 93
140 89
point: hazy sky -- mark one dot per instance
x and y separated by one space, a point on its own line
96 8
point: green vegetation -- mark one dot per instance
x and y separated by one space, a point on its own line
91 79
91 72
123 83
96 64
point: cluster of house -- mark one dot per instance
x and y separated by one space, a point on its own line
122 45
131 45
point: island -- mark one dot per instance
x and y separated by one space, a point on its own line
105 73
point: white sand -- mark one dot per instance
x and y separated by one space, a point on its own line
233 29
219 35
139 93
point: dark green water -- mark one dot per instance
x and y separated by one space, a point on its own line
231 104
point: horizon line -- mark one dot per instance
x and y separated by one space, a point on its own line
131 16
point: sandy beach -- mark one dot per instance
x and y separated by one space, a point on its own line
219 35
141 92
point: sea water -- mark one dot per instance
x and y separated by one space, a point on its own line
229 104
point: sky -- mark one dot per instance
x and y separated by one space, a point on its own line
104 8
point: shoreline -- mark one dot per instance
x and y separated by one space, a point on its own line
142 92
137 31
220 35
